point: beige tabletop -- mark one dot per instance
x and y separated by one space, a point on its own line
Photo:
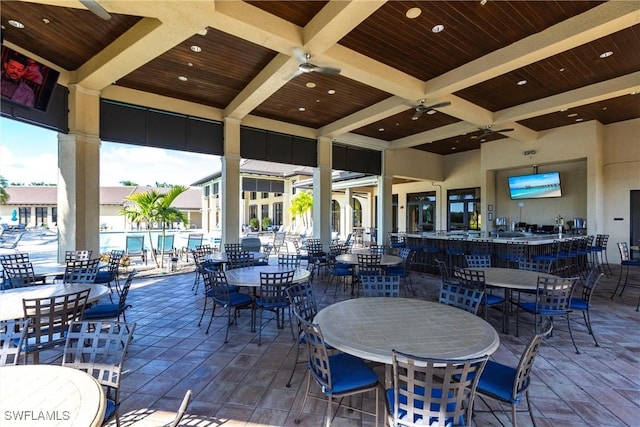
512 278
385 260
11 299
370 328
65 396
250 276
222 256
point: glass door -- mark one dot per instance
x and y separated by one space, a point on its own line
421 212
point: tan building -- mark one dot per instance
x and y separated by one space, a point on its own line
37 206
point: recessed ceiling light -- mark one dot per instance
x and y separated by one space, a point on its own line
413 13
310 85
301 109
196 48
572 115
483 140
437 28
317 100
563 110
46 21
182 78
431 112
189 64
453 148
522 82
606 54
634 93
604 108
331 91
561 70
483 2
381 130
15 23
202 32
579 119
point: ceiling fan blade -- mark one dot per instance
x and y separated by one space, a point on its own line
299 54
503 130
327 70
296 73
98 10
439 105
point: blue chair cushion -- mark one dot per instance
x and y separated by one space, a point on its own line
497 381
238 298
631 263
349 373
101 311
398 245
261 263
578 304
395 271
492 299
230 289
104 277
531 307
110 410
436 393
340 272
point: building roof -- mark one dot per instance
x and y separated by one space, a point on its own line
41 196
259 167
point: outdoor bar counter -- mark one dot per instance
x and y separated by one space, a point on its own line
431 245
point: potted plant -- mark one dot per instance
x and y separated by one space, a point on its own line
266 223
254 224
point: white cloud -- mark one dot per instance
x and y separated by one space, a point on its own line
39 167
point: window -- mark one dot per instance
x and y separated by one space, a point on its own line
335 216
24 215
264 195
216 188
421 211
207 191
41 215
464 209
277 194
265 211
357 213
253 211
253 195
277 213
54 215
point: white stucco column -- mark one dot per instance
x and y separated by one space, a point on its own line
286 203
348 212
385 183
79 175
231 182
322 192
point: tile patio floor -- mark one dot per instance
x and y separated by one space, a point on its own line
241 384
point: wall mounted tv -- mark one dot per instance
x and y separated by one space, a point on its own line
538 186
25 81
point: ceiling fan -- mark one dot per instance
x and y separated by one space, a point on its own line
95 7
431 109
486 131
307 67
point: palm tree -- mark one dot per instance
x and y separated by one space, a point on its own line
4 196
152 206
301 205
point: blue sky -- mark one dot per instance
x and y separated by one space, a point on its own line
30 154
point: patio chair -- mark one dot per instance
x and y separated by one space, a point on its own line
403 270
583 302
218 289
49 318
337 270
289 260
506 384
168 247
339 375
112 273
432 392
181 410
112 311
200 262
239 259
81 271
380 286
250 244
478 261
19 275
273 297
474 279
456 295
304 306
193 241
553 298
279 242
12 334
135 247
445 275
625 263
99 349
19 258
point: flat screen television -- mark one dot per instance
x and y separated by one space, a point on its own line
538 186
25 81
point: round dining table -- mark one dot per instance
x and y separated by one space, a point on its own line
385 260
50 395
370 328
511 278
11 299
250 276
221 257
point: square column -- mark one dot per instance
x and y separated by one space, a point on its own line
322 192
231 182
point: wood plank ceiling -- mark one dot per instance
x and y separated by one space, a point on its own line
388 62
